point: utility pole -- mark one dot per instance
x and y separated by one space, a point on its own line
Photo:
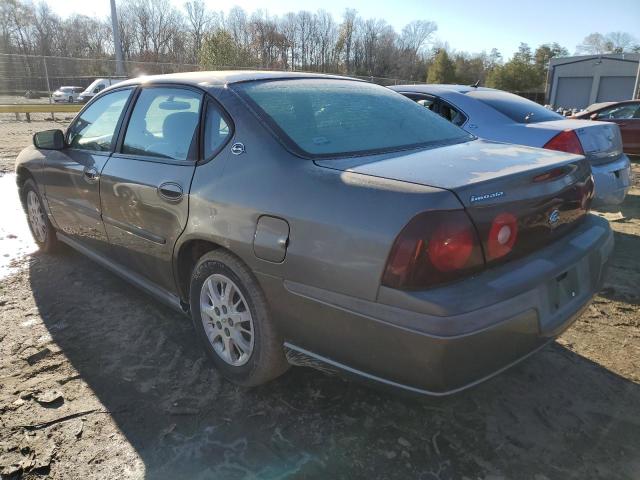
636 92
116 40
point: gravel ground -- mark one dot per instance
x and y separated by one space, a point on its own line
97 380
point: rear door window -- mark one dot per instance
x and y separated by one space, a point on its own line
451 113
164 124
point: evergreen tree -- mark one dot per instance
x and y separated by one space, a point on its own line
443 70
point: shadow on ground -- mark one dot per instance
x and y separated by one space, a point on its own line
558 415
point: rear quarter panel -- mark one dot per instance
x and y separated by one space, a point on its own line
341 224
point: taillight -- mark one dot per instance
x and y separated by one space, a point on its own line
565 141
434 248
552 174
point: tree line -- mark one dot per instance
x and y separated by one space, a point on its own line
157 31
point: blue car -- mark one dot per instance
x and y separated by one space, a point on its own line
504 117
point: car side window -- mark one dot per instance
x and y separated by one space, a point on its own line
619 112
426 102
216 130
451 113
164 124
95 127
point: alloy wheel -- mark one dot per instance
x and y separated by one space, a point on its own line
36 217
226 319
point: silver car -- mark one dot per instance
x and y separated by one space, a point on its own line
67 94
318 220
505 117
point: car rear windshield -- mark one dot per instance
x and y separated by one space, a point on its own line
515 107
332 118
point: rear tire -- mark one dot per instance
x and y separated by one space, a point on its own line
231 317
41 228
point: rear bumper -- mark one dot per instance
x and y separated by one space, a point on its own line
612 181
444 340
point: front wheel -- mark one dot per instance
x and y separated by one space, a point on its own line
231 316
43 232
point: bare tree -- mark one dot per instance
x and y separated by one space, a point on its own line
613 42
416 34
199 20
620 42
347 30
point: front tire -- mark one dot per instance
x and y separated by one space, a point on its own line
41 229
231 317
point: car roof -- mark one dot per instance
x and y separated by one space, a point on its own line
225 77
599 106
438 88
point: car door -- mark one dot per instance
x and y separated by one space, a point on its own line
72 174
627 117
145 186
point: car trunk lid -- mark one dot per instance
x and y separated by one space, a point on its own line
601 141
546 191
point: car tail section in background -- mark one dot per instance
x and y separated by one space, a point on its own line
96 87
67 94
501 116
626 115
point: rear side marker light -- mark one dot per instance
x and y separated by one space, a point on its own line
565 141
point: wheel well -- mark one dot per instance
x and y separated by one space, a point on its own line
188 256
22 175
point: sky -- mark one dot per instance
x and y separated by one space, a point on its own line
471 26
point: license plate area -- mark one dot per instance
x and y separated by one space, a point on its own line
563 289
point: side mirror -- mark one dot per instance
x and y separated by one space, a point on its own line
49 140
593 116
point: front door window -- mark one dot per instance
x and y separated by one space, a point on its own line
94 129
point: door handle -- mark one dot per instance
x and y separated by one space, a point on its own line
170 191
90 174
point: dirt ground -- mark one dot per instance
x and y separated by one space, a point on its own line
97 380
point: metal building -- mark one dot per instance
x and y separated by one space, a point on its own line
577 82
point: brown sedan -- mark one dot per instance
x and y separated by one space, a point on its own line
625 114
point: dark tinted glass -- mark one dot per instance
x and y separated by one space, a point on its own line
94 128
321 117
515 107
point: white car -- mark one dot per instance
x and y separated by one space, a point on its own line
504 117
67 94
96 87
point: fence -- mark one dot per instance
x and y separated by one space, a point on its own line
42 75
